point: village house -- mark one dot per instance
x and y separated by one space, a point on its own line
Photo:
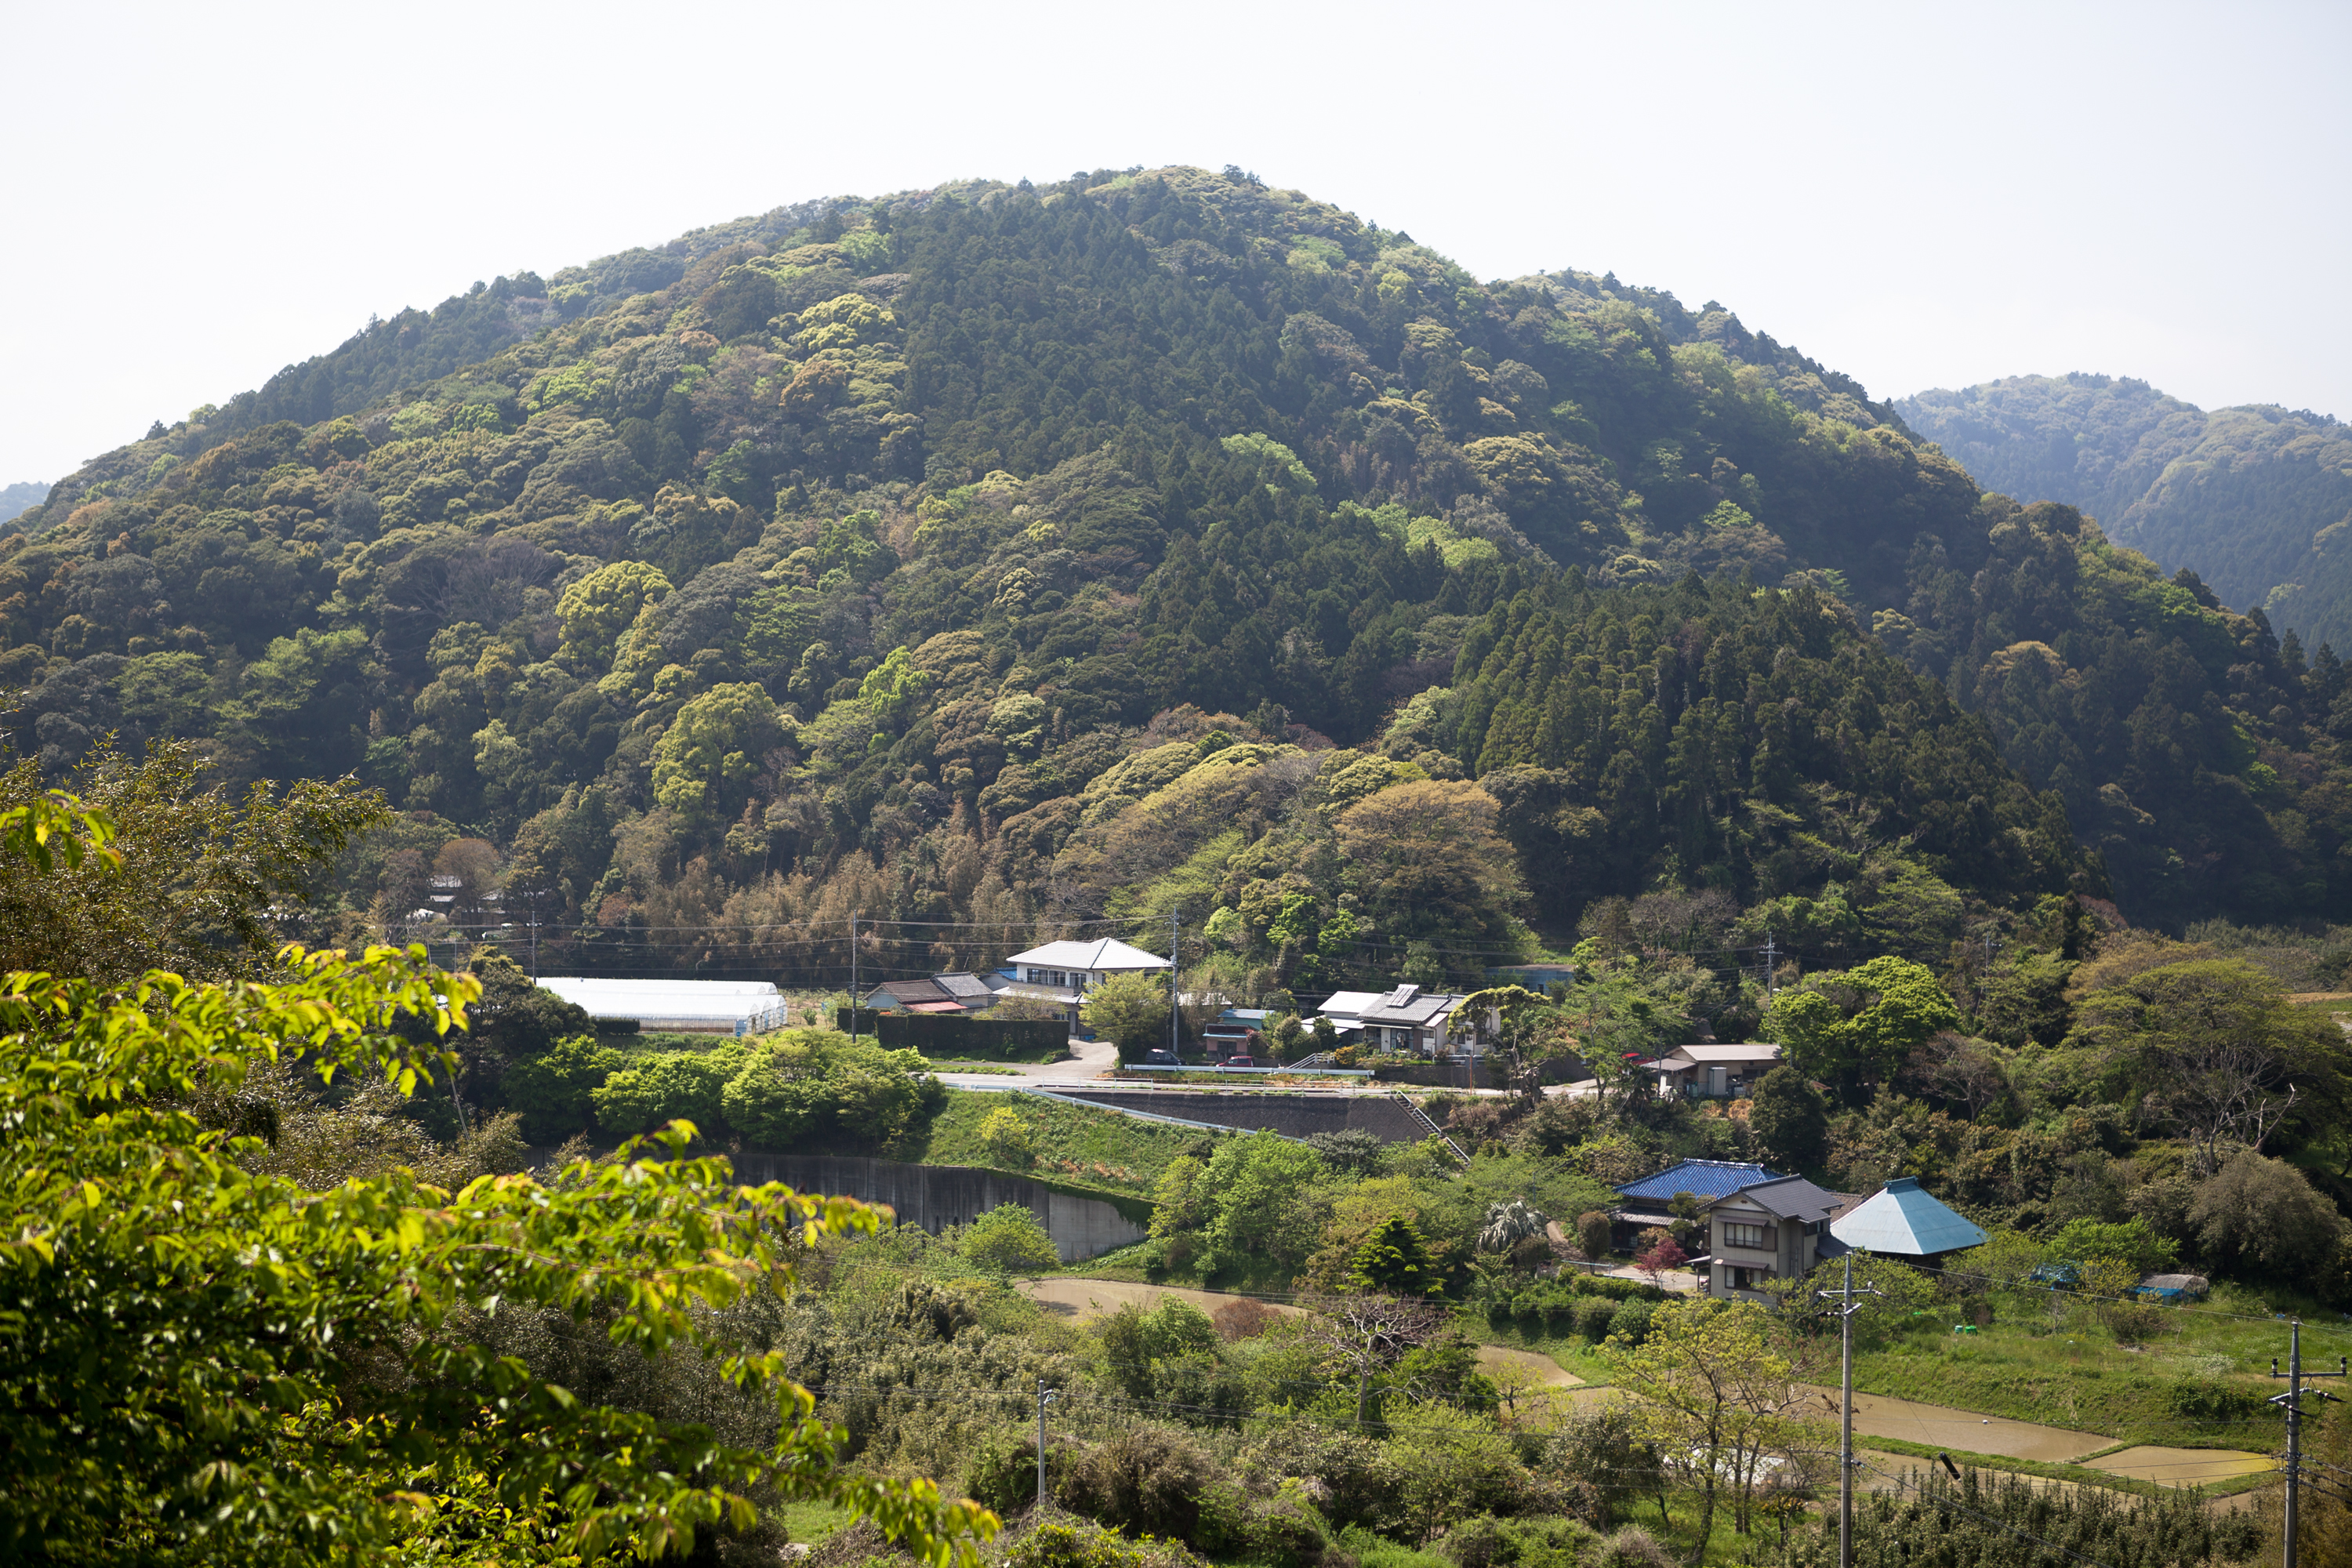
1711 1071
1403 1020
1062 973
960 993
1768 1230
1756 1225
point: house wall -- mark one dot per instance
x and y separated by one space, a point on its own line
1786 1250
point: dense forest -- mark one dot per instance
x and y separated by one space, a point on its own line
1156 540
2249 497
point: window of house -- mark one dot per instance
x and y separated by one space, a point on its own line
1060 978
1743 1236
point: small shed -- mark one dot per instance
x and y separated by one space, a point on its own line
1902 1219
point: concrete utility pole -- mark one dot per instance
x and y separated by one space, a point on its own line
1173 994
2292 1402
1043 1394
1845 1428
1769 988
853 978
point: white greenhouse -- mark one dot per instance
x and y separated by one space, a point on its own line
688 1007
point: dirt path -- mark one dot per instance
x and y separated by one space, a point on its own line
1080 1300
1540 1370
1876 1416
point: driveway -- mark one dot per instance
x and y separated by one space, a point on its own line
1090 1060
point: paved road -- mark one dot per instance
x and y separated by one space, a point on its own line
1091 1059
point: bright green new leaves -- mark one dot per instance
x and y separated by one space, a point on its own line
55 826
1860 1023
709 754
199 1362
1709 1381
596 610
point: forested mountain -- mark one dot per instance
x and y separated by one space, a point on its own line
2247 498
21 498
1152 541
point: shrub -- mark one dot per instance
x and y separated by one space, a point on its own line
1632 1325
1007 1139
1146 1480
1633 1547
1592 1234
1594 1317
1243 1319
1009 1239
1059 1543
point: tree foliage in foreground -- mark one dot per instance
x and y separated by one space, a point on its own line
201 1362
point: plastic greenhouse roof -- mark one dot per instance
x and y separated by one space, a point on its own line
716 1000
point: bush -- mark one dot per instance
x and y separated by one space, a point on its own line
2265 1216
1633 1547
1592 1234
1243 1320
1594 1317
973 1039
1060 1543
1147 1480
1009 1239
1486 1541
1632 1325
1009 1140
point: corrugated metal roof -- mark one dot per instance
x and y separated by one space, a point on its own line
1902 1219
1700 1178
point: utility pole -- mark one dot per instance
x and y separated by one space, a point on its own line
1043 1394
1174 998
1768 963
854 997
1845 1429
2292 1402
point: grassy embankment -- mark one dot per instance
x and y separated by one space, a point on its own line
1076 1146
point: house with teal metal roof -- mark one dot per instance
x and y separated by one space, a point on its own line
1902 1219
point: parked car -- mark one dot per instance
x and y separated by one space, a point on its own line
1160 1060
1241 1061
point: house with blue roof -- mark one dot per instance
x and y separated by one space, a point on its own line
1759 1225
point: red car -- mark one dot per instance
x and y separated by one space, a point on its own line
1240 1062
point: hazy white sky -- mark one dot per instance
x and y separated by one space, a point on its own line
194 196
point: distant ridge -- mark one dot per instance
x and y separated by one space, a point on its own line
2250 498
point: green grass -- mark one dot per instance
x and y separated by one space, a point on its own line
812 1523
953 1064
1074 1143
1576 1355
2079 1376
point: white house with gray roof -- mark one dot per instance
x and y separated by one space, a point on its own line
1404 1019
1062 973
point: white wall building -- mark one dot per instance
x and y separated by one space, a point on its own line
1063 971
